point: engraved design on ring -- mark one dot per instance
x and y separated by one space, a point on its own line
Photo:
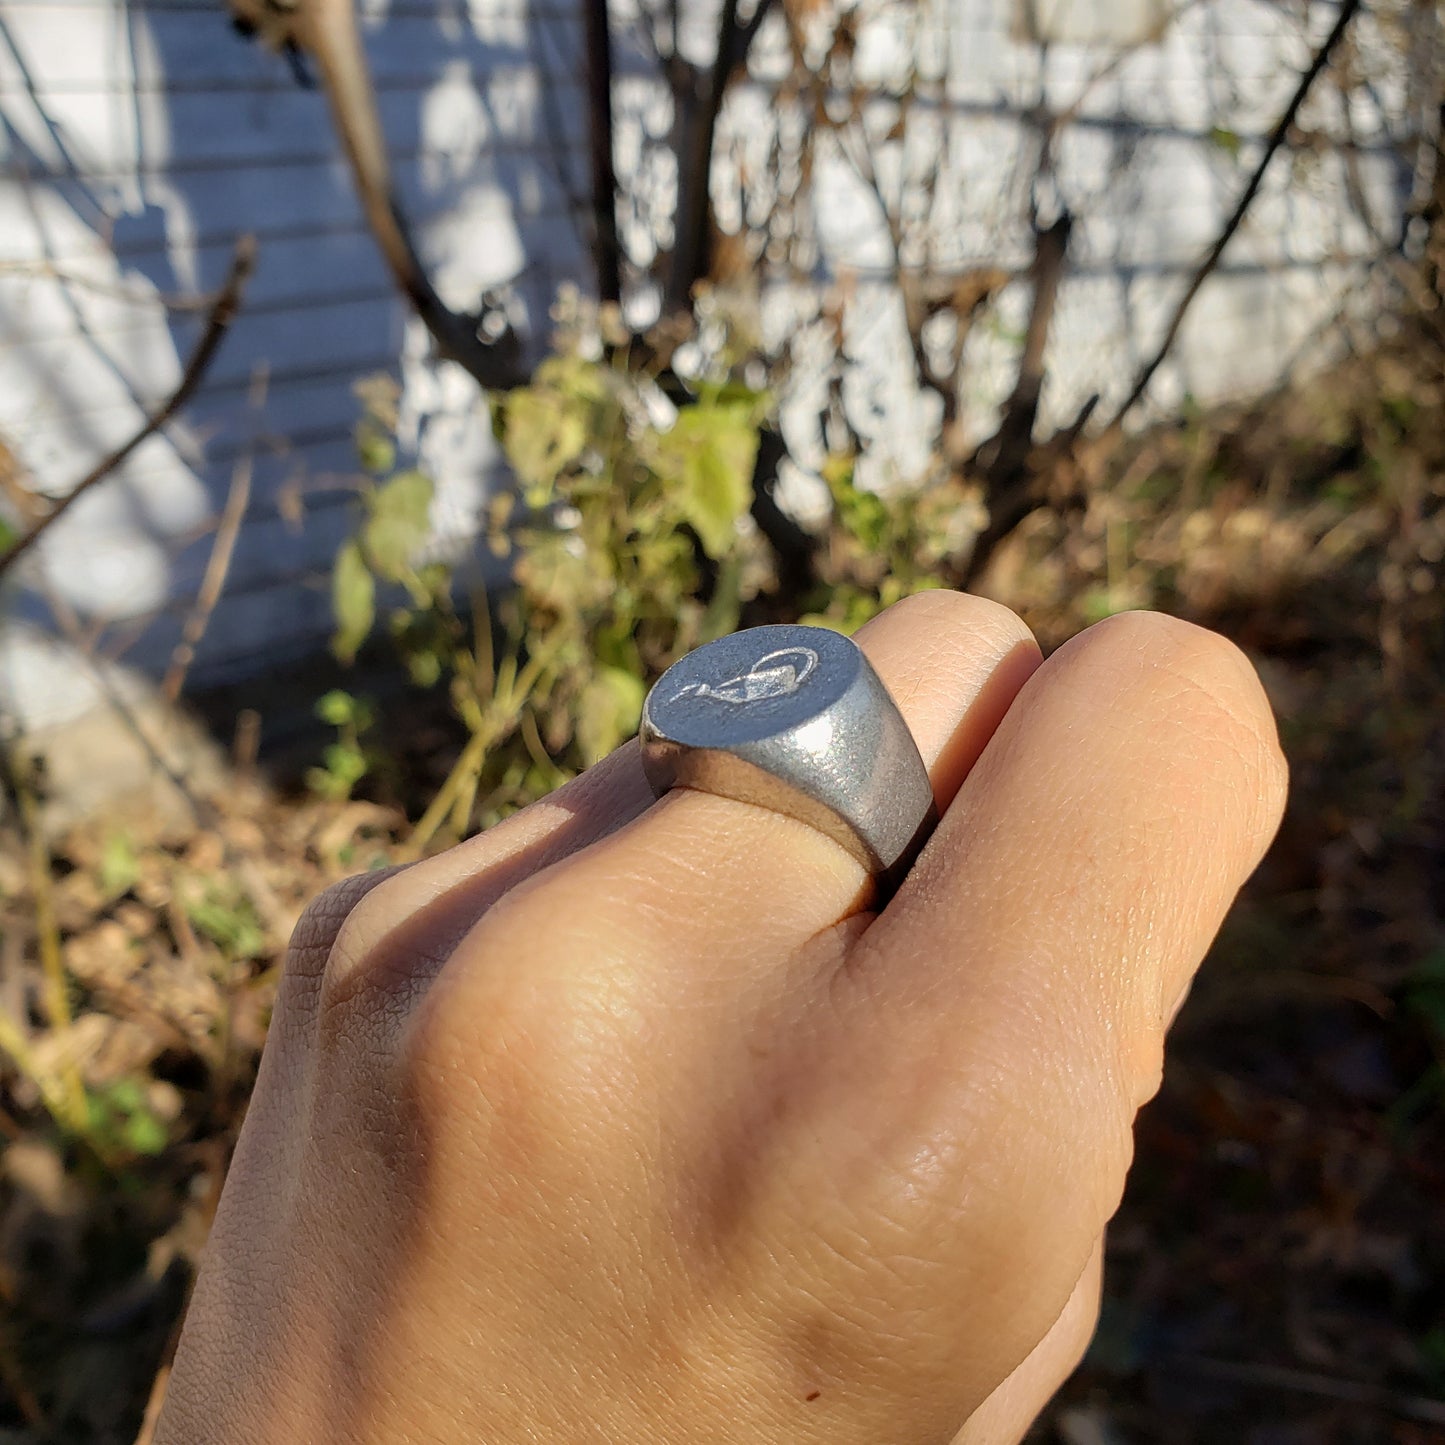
794 719
759 681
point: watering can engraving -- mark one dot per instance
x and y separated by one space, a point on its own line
775 675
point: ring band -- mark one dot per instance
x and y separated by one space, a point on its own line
795 719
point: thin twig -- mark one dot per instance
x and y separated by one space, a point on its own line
218 319
238 498
1326 1387
1348 11
15 1046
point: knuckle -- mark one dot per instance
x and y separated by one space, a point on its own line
363 936
308 955
316 931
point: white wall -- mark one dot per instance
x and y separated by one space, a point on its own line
141 136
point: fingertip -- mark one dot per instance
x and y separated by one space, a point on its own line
1191 669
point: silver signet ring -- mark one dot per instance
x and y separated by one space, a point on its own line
794 719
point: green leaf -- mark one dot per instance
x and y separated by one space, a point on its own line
346 763
353 601
399 525
119 865
8 536
425 668
608 711
145 1133
1098 603
119 1114
709 453
375 450
575 378
557 574
230 922
543 433
336 707
1226 139
863 515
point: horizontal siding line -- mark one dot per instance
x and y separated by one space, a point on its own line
354 369
301 231
134 250
268 88
230 669
417 217
261 579
283 161
280 376
434 10
259 434
297 440
312 576
184 329
140 318
300 301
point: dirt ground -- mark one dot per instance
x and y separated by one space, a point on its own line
1277 1271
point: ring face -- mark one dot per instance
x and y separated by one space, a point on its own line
796 720
753 684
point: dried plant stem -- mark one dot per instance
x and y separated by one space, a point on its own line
70 1090
14 1044
238 498
498 719
468 764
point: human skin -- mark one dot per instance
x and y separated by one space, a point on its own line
629 1121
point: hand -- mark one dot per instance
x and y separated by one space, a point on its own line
628 1122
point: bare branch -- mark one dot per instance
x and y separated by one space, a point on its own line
1007 460
694 206
1348 11
607 253
1015 433
217 566
328 32
1113 64
222 312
